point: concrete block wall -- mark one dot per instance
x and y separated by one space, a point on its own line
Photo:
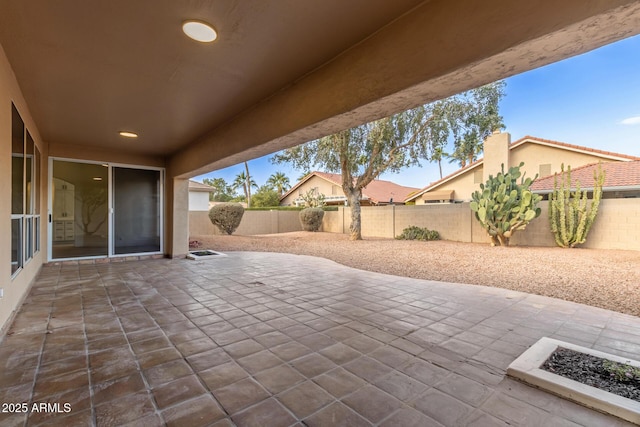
617 225
377 221
334 222
452 221
253 222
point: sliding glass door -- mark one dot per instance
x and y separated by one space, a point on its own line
136 203
79 210
100 210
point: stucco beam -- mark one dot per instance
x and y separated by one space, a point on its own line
436 50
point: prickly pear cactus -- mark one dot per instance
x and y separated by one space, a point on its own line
504 206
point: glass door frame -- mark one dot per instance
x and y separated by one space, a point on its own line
110 209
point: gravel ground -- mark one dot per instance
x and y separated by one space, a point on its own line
608 279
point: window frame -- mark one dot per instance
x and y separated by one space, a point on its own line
29 220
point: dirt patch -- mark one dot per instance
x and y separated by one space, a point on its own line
602 278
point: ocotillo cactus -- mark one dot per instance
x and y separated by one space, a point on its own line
503 206
569 216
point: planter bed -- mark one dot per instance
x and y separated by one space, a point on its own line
529 368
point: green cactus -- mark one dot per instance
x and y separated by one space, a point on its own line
569 216
503 206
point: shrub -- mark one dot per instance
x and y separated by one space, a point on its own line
311 219
226 216
569 216
502 206
416 233
621 371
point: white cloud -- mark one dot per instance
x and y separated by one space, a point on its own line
631 121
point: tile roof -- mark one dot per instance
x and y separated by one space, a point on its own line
617 174
197 186
378 191
527 139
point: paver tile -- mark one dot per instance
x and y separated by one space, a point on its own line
267 413
443 408
178 391
259 361
401 386
305 399
240 395
340 353
336 415
339 382
409 417
291 350
194 413
372 403
312 365
279 378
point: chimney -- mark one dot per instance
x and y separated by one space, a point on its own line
496 153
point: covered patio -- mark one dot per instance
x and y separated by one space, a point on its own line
265 339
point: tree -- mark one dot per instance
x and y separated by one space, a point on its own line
223 191
472 117
280 182
265 197
244 182
362 153
303 175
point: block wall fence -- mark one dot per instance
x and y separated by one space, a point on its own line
617 225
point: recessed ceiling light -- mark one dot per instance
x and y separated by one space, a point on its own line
128 134
97 178
199 31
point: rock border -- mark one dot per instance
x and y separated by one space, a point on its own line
526 368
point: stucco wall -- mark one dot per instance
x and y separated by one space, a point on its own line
198 201
15 289
462 186
324 187
532 154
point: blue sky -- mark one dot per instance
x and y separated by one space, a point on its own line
592 100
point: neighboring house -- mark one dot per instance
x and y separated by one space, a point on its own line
199 196
622 179
378 192
541 157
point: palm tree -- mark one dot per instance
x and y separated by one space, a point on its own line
280 182
243 181
438 154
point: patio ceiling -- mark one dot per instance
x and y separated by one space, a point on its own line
281 72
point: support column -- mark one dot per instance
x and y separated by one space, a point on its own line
177 236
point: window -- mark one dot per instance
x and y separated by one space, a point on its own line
25 194
477 176
544 170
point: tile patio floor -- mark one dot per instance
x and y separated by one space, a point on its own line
260 339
